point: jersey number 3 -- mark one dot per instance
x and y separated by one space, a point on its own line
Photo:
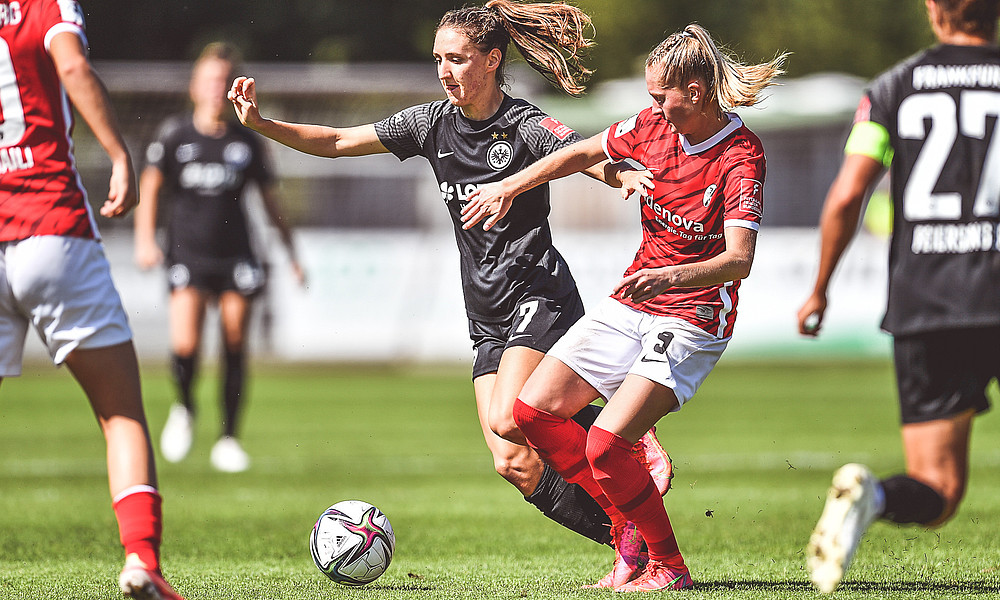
948 121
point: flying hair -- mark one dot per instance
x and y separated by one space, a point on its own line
552 37
691 54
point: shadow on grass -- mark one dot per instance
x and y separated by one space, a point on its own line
868 587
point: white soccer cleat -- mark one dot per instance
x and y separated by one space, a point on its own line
178 433
228 456
850 509
141 583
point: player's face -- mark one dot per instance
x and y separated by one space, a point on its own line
209 85
675 105
467 74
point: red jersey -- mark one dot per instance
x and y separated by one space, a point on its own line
699 190
40 189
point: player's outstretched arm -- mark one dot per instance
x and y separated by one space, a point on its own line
493 200
90 98
837 226
319 140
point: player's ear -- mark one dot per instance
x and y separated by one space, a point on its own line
493 59
694 91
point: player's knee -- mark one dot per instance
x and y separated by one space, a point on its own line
505 427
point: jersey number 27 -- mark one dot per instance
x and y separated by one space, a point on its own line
948 121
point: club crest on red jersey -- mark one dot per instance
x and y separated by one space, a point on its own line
558 129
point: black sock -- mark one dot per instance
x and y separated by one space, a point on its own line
909 501
184 369
587 416
570 506
232 391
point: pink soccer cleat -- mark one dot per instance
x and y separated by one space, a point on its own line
629 557
658 576
139 582
655 459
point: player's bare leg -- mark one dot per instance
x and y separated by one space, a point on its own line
937 454
110 378
569 505
187 316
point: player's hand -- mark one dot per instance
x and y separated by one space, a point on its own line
243 95
810 316
122 191
299 273
489 201
147 254
635 181
644 284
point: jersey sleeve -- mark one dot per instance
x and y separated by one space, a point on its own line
405 132
743 190
63 16
157 152
619 139
544 135
870 134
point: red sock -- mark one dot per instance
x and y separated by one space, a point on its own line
140 523
628 485
561 443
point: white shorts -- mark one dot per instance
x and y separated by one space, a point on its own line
62 286
614 340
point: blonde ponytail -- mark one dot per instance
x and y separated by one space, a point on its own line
691 53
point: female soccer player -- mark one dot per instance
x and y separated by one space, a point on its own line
519 294
206 164
933 118
648 347
53 272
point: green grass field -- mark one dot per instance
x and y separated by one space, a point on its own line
753 453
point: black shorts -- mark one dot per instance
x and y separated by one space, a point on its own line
243 275
941 374
537 324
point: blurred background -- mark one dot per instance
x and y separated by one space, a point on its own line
377 244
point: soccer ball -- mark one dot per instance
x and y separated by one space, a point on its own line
352 542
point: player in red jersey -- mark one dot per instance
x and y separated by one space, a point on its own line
648 347
931 120
53 272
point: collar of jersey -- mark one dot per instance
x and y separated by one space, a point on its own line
488 122
734 123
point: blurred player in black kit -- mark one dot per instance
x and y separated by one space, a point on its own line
519 294
205 163
932 121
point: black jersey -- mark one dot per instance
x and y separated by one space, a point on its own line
515 258
940 109
204 179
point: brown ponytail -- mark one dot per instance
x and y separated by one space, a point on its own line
550 36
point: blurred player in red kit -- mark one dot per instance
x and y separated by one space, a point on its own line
54 276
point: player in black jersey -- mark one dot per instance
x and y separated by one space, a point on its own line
206 163
933 121
519 294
